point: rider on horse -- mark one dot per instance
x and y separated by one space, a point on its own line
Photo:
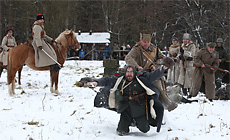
44 52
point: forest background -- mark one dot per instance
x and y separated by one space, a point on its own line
205 20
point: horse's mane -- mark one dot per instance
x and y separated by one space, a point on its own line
28 43
62 35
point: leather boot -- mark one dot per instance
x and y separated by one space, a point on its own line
55 67
1 69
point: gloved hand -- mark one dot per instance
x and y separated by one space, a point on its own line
139 68
181 50
189 58
40 47
152 111
174 55
168 62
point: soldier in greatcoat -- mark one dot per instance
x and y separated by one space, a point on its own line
174 53
222 61
8 42
146 56
206 56
132 95
43 41
187 53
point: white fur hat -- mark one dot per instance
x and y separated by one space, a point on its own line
187 36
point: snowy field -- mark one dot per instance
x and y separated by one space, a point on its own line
36 114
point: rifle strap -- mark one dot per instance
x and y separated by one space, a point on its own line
150 57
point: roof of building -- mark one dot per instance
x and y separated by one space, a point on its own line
95 37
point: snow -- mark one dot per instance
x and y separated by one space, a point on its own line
35 113
95 37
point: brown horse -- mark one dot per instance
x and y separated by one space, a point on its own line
24 54
19 72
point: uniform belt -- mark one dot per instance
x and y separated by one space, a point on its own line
137 96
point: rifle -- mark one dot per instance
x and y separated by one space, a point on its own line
182 57
215 68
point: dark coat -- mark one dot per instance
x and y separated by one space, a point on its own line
146 77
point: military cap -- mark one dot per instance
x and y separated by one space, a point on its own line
211 44
219 40
145 35
40 16
174 39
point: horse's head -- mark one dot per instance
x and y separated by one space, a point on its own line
72 39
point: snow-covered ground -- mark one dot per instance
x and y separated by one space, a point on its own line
35 113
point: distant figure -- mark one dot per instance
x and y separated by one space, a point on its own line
8 42
128 49
174 53
107 51
81 53
114 51
95 51
222 60
165 51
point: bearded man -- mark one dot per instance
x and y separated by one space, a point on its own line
132 95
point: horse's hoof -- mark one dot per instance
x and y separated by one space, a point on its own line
57 93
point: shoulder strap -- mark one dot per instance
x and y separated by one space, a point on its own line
150 57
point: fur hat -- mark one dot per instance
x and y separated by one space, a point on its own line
40 16
219 40
187 36
9 30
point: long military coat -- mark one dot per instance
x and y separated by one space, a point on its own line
41 39
144 79
186 67
223 56
137 58
204 57
7 43
173 73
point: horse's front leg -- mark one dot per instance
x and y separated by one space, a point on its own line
11 87
54 80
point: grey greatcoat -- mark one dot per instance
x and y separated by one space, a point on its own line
204 57
7 43
186 67
41 39
173 73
